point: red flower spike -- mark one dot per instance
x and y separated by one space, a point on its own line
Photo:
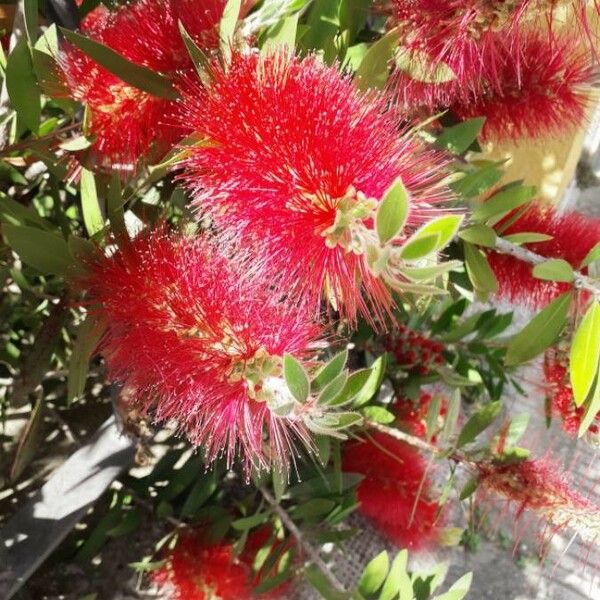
541 486
128 123
537 85
199 570
573 236
296 163
394 472
196 342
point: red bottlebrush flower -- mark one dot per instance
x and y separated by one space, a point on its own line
542 487
128 123
298 159
196 342
392 494
573 236
559 393
413 351
199 570
537 85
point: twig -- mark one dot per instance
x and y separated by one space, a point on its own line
581 281
308 549
404 437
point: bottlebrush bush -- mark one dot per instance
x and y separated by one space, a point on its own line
263 236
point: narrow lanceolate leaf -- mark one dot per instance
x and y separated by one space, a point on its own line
88 337
374 68
398 584
480 273
585 354
354 384
555 269
29 441
22 87
283 34
592 410
90 207
540 333
504 201
373 383
43 250
482 235
592 256
138 76
459 137
296 378
458 590
527 237
480 421
420 246
374 574
229 20
200 60
446 227
331 370
392 212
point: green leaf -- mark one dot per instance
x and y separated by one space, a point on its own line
504 201
355 383
554 269
138 76
451 416
482 235
323 27
331 370
480 273
516 429
480 421
428 273
433 413
22 87
353 15
333 388
231 14
591 410
378 414
540 333
478 181
90 207
392 212
527 237
374 574
585 354
201 491
315 507
199 58
418 65
250 522
419 246
373 71
459 138
446 227
458 590
592 256
43 250
469 488
30 9
373 383
282 34
296 378
318 580
29 441
398 583
89 334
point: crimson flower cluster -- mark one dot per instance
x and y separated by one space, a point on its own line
193 341
572 235
126 122
541 486
294 163
198 569
395 493
559 393
500 60
414 351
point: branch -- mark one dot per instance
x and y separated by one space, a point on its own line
308 549
581 281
